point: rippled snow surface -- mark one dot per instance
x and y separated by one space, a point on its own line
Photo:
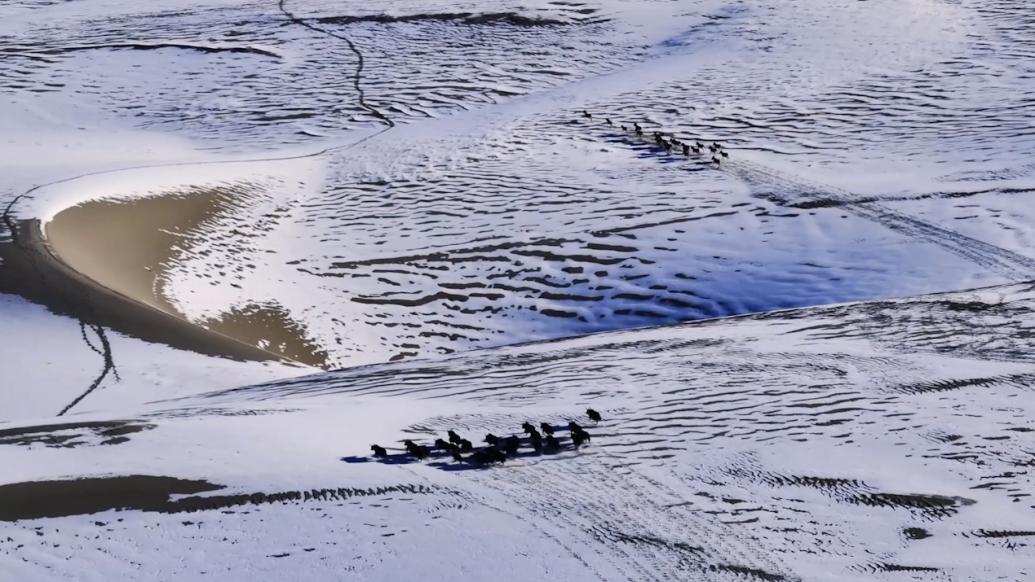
460 199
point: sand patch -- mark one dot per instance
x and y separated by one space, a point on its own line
128 246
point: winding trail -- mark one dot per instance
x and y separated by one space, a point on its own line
357 76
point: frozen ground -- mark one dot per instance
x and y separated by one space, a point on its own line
415 180
874 441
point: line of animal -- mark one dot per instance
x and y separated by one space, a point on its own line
498 449
673 143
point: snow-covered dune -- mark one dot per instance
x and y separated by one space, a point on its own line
462 215
873 441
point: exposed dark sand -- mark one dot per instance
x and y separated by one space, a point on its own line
36 499
123 244
102 261
40 499
67 435
31 270
259 324
126 246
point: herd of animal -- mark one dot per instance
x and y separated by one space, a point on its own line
672 143
497 450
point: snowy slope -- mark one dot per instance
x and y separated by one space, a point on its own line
874 441
411 194
455 197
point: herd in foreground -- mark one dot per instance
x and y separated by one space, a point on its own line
498 450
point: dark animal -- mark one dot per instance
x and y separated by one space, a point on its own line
443 445
453 437
695 149
492 439
456 455
546 428
608 121
419 451
579 437
624 128
715 160
593 415
379 451
537 441
534 434
686 149
574 426
551 443
527 427
512 445
465 445
488 455
724 154
638 129
586 114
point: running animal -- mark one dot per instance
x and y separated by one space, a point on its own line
453 437
492 439
593 415
488 455
546 428
528 427
465 445
551 443
419 451
537 441
379 451
512 445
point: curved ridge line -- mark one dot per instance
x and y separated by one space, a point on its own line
357 75
109 365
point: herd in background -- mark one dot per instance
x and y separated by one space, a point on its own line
672 143
498 450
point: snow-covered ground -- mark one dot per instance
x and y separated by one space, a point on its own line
401 185
874 441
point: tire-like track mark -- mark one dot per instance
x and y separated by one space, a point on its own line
997 259
357 76
1005 262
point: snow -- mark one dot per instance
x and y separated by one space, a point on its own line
796 444
427 204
